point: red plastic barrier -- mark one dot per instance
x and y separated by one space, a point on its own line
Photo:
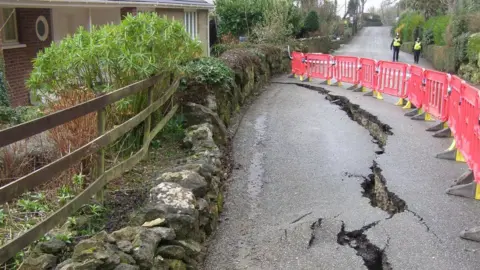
367 73
415 87
346 69
455 95
392 78
298 65
469 113
319 66
436 94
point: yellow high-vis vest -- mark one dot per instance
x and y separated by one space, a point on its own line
418 46
396 42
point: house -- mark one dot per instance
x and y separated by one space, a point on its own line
31 25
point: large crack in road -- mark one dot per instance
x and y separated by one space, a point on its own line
374 187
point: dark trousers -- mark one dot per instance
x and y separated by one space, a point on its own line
396 51
416 56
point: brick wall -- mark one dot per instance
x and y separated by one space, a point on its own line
18 62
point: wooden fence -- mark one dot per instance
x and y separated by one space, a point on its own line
46 173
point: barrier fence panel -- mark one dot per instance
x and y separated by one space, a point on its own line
319 66
346 69
367 73
392 78
436 94
456 89
415 88
468 122
298 67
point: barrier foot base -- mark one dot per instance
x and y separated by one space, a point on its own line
291 76
369 94
353 87
325 83
420 116
401 102
472 234
412 113
444 133
466 178
358 89
334 83
408 106
423 117
448 155
306 79
465 190
437 127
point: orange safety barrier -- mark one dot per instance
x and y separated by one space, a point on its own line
346 69
392 79
469 113
298 64
367 73
436 94
319 66
455 95
415 87
447 98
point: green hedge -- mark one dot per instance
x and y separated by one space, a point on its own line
409 25
473 48
442 57
438 25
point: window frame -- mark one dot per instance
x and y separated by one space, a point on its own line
191 22
14 18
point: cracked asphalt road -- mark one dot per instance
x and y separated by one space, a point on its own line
300 158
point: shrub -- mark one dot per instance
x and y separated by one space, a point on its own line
460 47
438 26
238 16
209 71
113 56
409 25
18 115
470 72
473 48
311 21
428 37
473 22
275 28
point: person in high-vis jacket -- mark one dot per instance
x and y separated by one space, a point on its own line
396 43
417 49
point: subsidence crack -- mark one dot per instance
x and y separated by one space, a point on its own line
373 257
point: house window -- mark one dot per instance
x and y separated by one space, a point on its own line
42 28
10 34
191 23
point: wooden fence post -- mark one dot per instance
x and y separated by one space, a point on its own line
100 169
148 121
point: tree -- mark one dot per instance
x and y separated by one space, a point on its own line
311 21
362 9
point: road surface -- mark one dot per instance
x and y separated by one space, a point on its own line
302 167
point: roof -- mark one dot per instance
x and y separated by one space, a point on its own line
199 4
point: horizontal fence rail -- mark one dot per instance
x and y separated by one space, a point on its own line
43 175
439 95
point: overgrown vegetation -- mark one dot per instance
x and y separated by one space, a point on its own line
450 33
75 70
274 21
